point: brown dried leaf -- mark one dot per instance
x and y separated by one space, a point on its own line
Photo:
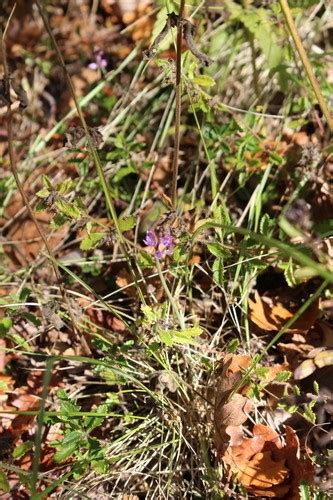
305 369
262 472
265 467
234 412
273 315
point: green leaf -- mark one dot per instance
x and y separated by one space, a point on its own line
122 173
258 22
186 336
218 270
304 491
91 241
166 338
79 469
70 210
204 80
100 466
126 224
40 206
24 294
316 387
217 250
4 387
149 314
43 193
4 483
21 342
47 183
302 4
22 449
65 186
145 259
58 221
309 413
261 26
32 318
68 446
265 224
92 422
232 346
5 325
283 376
289 274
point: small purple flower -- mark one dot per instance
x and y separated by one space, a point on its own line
166 244
100 62
151 239
162 244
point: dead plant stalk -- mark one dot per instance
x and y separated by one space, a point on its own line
175 163
306 63
13 167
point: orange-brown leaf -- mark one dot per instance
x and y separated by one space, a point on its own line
272 315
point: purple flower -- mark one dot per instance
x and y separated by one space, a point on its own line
100 62
162 244
151 239
166 244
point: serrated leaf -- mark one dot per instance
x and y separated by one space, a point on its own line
309 413
20 342
4 483
186 336
47 183
204 80
259 24
265 224
22 449
91 241
149 314
65 186
92 422
70 210
68 446
100 466
58 221
217 250
126 224
218 270
289 274
43 193
283 376
166 338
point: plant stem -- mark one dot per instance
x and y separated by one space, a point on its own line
305 61
175 307
175 162
92 150
13 167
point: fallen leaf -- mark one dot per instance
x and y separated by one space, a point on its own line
265 467
270 315
235 411
305 369
262 472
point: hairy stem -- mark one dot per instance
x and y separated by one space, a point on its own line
175 162
306 63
